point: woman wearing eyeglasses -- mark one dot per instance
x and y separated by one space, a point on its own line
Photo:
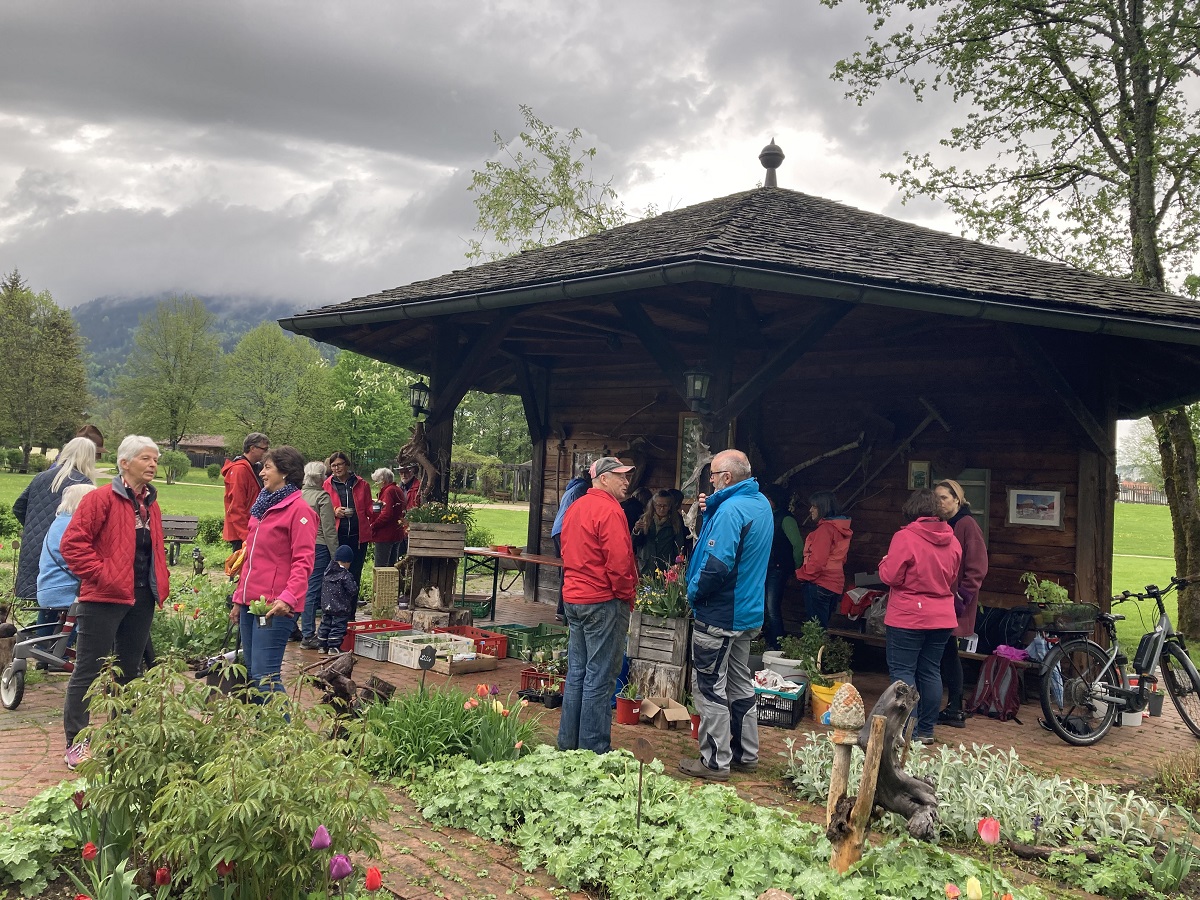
822 576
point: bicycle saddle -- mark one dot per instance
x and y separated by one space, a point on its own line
1110 618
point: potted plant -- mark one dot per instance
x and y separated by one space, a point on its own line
552 694
1155 704
691 708
629 708
259 608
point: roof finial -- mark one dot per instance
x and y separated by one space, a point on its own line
771 159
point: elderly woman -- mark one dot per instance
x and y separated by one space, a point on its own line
351 498
37 506
954 509
327 543
280 547
659 536
58 586
920 570
387 528
114 543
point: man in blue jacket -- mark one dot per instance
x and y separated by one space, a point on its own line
725 581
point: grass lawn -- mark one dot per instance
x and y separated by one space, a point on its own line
1143 549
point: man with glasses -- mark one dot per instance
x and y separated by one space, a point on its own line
725 580
599 582
242 485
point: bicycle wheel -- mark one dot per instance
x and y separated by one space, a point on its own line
1183 684
1082 716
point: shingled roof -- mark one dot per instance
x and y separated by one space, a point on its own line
774 230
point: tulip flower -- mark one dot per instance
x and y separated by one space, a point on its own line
519 745
177 606
224 868
1007 896
77 896
505 712
162 877
90 851
989 830
524 702
494 690
374 879
78 798
497 706
467 705
196 614
481 690
339 866
321 839
974 889
952 891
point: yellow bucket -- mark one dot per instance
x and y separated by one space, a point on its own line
822 697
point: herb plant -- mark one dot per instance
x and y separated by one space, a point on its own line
34 837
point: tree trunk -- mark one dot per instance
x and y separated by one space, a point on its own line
1177 447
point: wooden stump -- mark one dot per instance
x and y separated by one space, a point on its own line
847 830
658 679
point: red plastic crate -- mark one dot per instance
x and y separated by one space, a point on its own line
370 626
488 642
533 680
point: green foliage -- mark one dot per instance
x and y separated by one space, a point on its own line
442 513
821 654
9 526
193 621
575 814
207 778
370 403
985 781
208 529
1120 873
35 836
213 471
174 464
477 536
493 427
38 463
1044 590
13 458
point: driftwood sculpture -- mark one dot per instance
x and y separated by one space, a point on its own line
913 798
417 451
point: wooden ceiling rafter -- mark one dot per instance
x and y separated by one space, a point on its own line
473 357
661 350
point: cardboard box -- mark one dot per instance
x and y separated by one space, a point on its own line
481 663
665 713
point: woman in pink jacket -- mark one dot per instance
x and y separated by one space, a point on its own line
956 511
279 557
921 569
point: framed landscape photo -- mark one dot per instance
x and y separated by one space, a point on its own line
918 474
1035 506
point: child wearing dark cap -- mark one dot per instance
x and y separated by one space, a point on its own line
339 593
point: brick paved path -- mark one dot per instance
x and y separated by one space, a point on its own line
421 861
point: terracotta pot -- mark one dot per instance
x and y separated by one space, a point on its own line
695 727
629 712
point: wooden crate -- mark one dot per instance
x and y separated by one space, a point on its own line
429 619
660 640
387 584
481 663
433 539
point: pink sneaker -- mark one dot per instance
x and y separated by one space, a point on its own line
76 754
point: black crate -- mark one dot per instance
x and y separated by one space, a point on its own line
780 709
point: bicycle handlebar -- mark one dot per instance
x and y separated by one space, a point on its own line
1154 591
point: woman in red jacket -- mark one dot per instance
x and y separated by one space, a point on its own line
822 577
956 511
920 569
114 545
351 498
387 527
280 545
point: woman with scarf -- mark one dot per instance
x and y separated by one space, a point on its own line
352 508
279 550
659 536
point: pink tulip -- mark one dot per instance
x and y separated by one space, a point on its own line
989 830
952 891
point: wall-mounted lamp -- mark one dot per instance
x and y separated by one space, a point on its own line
418 399
695 388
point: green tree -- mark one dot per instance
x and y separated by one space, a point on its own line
493 425
1082 112
43 386
175 464
172 373
277 383
372 411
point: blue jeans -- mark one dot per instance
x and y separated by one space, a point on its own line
263 648
773 621
819 603
914 656
312 599
594 653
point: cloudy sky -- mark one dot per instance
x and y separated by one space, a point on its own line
318 151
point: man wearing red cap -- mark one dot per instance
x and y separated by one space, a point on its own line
599 581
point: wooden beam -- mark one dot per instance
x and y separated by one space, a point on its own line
474 358
655 342
773 368
1025 346
533 399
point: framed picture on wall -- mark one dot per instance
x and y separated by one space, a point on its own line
918 474
1035 506
691 433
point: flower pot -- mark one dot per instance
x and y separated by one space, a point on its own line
756 662
1131 719
629 712
783 666
552 701
695 727
1156 704
822 697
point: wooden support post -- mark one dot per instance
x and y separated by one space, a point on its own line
839 779
851 835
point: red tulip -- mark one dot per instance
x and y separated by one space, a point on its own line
196 614
162 877
82 897
952 891
78 797
224 868
374 879
989 830
89 851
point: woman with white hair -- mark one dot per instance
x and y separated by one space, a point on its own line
114 543
57 586
387 529
38 504
327 544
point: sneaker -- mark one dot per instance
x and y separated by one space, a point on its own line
77 754
955 718
925 739
296 635
698 769
744 766
309 643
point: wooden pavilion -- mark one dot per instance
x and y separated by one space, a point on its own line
844 350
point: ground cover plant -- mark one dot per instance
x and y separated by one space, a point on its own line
193 622
575 813
34 839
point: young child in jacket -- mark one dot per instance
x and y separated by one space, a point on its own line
339 592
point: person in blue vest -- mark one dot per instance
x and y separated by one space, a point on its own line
725 580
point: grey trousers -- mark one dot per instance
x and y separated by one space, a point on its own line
105 629
723 692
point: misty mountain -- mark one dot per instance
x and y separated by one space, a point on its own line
107 325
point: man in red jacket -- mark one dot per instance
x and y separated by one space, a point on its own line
599 581
114 545
242 485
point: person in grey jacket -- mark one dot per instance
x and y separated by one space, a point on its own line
327 543
38 504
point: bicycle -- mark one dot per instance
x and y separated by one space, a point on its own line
1084 685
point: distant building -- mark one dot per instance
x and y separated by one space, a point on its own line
202 449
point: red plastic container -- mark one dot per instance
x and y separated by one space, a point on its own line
533 680
370 626
488 642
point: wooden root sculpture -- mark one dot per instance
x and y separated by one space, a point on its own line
913 798
340 689
417 451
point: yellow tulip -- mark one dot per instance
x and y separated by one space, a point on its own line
498 706
974 889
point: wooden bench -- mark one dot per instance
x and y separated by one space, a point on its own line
177 531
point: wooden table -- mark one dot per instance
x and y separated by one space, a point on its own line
487 559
